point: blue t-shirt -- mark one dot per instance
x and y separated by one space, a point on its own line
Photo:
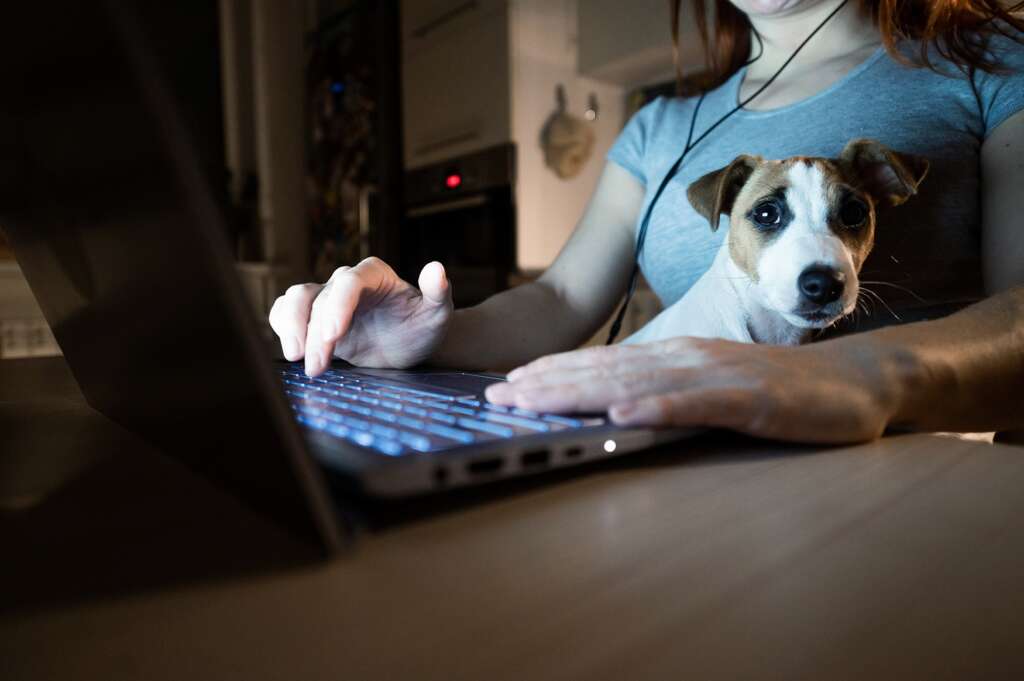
929 246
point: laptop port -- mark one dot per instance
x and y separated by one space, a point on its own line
537 457
485 466
574 452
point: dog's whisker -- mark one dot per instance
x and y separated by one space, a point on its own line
898 287
882 301
862 301
868 300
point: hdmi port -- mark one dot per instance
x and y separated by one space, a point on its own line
485 466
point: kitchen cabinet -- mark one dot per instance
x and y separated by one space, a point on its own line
455 78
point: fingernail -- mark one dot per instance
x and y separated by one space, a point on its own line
313 363
498 391
633 413
291 348
622 412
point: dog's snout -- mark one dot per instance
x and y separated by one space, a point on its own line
821 285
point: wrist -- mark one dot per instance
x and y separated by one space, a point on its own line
446 352
909 381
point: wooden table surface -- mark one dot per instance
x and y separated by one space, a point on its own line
722 558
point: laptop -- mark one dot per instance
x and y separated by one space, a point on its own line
114 225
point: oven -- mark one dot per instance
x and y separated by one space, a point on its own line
461 212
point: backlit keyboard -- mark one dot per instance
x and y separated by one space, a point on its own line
396 419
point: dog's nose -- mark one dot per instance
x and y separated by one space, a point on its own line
821 285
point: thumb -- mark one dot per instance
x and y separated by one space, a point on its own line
434 284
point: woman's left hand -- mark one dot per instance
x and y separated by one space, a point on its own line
834 391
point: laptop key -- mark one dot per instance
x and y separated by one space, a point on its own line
412 391
383 431
485 427
563 420
417 442
525 412
415 424
361 438
539 426
388 446
450 433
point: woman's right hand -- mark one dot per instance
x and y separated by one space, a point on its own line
365 315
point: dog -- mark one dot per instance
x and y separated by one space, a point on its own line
799 230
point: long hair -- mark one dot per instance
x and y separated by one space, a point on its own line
958 29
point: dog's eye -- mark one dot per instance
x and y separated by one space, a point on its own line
767 214
853 213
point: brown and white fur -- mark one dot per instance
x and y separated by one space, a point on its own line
799 231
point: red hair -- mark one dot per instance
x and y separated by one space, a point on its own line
958 29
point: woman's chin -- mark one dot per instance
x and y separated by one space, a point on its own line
770 7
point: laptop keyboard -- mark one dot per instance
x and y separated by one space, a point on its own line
396 419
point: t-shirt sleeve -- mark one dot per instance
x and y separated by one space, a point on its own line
1001 94
630 148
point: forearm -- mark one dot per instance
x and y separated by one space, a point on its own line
961 373
511 328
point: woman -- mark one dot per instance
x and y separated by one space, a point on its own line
960 242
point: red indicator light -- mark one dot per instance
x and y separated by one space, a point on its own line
453 181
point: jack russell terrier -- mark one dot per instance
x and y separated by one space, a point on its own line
799 231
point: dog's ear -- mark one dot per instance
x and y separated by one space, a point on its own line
891 177
715 193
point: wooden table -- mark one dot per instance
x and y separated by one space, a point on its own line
722 558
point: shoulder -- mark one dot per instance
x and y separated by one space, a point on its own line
662 111
1007 48
1000 92
661 124
640 137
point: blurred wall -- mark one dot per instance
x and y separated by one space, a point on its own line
545 55
630 43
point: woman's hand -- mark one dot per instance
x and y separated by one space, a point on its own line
366 315
826 392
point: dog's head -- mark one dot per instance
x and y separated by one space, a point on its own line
800 228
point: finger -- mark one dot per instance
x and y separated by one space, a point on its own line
334 310
697 406
289 318
434 284
682 351
617 370
590 392
576 359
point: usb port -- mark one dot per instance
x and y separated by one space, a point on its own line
485 466
535 458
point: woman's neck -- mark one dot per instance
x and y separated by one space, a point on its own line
847 32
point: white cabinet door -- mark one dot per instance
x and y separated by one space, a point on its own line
455 78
